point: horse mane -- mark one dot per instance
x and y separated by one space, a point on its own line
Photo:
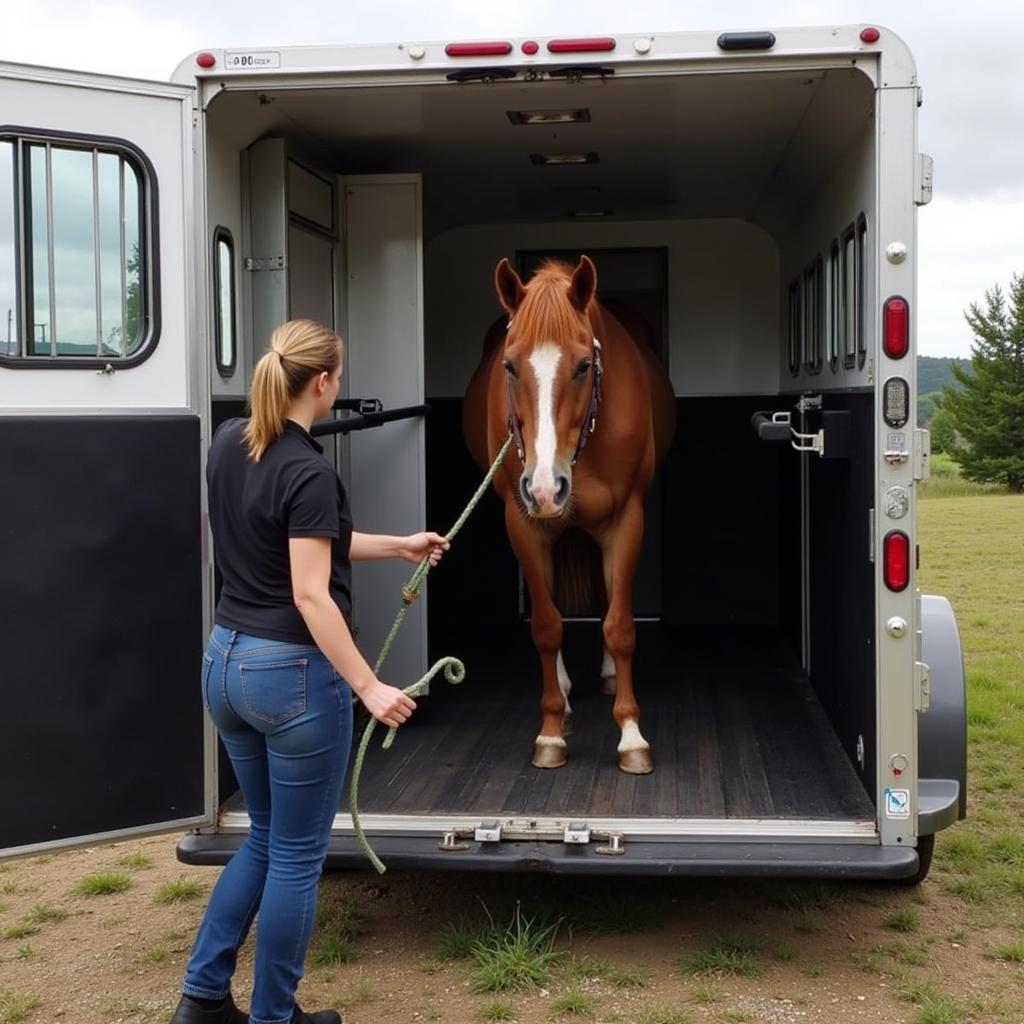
546 312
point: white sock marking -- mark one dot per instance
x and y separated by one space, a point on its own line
545 360
550 741
607 666
631 738
564 682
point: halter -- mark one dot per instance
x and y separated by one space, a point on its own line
589 420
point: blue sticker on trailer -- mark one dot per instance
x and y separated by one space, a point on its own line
897 803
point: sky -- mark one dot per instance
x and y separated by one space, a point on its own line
971 236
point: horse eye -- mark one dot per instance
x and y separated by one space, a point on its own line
583 367
510 369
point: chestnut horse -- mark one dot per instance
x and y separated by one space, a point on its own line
593 413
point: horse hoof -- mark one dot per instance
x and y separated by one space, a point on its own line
636 762
608 685
568 723
548 755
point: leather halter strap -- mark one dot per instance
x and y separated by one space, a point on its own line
589 420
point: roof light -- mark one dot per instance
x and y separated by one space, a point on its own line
896 327
552 159
530 47
548 116
596 45
206 60
746 40
896 566
493 49
870 35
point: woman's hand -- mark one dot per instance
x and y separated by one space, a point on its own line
417 546
388 704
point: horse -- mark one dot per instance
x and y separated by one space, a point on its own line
592 412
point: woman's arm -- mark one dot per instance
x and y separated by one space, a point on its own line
311 574
413 548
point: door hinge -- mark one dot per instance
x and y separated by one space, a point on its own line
923 179
922 454
571 834
922 686
254 264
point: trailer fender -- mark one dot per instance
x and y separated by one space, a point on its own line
942 729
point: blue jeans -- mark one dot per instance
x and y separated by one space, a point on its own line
285 718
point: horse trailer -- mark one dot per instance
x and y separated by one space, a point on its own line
752 194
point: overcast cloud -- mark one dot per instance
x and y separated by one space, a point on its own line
970 238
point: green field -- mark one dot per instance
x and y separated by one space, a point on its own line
972 551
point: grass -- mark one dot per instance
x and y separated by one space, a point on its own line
737 956
903 919
358 993
705 995
519 957
1013 953
662 1015
573 1004
947 481
934 1006
41 913
338 924
17 1006
616 910
103 884
24 952
332 949
458 938
137 860
495 1011
181 890
20 931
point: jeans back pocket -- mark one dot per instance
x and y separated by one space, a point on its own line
274 691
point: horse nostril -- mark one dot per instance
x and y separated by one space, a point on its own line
562 494
524 489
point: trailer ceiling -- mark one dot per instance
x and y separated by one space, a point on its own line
751 146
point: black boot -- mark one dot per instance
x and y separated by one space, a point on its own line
194 1011
318 1017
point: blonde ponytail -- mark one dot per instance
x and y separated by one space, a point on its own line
299 350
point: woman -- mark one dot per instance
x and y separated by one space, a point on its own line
278 671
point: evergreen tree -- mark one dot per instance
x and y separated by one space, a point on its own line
988 408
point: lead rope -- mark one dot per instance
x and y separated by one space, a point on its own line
454 670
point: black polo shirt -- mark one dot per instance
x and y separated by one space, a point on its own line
254 508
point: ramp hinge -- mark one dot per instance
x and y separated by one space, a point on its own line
254 264
487 832
923 179
922 686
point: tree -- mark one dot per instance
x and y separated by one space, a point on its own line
988 408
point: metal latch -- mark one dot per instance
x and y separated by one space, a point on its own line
577 832
487 832
923 179
922 686
922 454
257 263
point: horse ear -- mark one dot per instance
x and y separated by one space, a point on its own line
583 284
508 285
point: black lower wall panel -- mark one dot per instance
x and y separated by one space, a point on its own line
101 613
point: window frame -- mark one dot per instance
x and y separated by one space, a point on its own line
861 246
226 370
813 306
833 305
848 305
149 246
795 323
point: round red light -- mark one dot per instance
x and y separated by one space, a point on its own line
870 35
206 60
530 48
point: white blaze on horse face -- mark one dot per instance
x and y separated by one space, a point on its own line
545 360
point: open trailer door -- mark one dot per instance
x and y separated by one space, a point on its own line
102 401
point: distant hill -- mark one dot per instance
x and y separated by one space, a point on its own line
934 371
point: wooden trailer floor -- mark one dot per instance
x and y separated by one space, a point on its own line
735 731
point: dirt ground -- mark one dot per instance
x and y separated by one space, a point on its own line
830 953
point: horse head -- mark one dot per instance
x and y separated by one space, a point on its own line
552 363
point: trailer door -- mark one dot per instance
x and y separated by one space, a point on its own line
102 405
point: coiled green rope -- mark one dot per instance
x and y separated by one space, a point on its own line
454 670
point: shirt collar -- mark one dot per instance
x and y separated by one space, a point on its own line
291 427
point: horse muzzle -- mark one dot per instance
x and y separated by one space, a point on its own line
545 495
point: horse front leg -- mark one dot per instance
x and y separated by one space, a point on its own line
533 550
621 550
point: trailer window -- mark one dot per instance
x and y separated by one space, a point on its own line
848 303
832 306
224 300
76 260
796 317
862 265
813 316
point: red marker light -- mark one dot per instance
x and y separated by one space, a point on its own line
206 60
896 566
870 35
896 327
530 48
496 49
597 45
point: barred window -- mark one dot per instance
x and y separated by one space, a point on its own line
224 300
76 260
